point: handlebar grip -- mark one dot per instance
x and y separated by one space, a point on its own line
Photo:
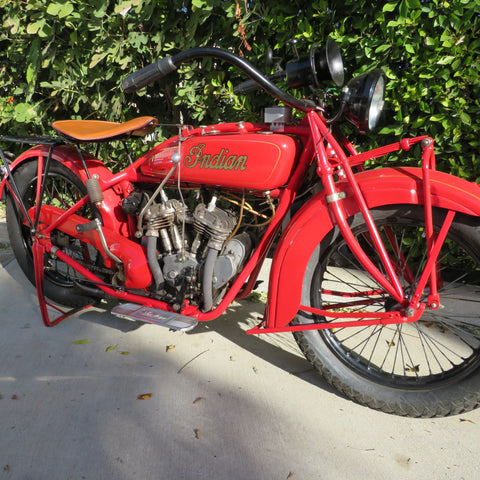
149 74
250 86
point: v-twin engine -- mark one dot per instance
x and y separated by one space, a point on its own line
192 256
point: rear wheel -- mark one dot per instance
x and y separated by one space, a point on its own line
63 189
427 368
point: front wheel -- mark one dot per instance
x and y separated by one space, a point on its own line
423 369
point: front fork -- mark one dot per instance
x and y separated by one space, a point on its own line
412 307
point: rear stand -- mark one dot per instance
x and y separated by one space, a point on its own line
39 251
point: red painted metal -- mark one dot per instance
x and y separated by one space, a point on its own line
429 273
252 161
133 255
39 251
356 322
385 186
319 130
112 216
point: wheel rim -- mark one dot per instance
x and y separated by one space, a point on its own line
444 344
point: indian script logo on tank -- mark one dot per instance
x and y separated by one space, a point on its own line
220 161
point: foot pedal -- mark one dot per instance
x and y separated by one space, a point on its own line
174 321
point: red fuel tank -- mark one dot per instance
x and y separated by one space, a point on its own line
253 161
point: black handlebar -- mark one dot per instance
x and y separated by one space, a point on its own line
250 86
157 70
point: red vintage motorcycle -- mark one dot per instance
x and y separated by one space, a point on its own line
375 271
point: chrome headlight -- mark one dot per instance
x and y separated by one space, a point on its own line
364 97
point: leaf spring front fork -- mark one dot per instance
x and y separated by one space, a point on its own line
390 281
320 133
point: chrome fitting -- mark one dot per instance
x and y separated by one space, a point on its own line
335 197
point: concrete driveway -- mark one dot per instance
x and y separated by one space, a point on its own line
97 397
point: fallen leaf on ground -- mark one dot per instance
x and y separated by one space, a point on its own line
196 431
198 399
14 397
169 347
255 369
121 352
466 420
290 475
6 468
109 349
144 396
81 342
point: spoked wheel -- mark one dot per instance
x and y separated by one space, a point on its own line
63 189
427 368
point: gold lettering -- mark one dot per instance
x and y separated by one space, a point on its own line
242 162
195 153
219 161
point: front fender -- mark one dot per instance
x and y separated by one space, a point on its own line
112 215
386 186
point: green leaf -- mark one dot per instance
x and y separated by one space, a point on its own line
66 10
81 342
97 58
465 118
53 9
382 48
389 7
60 10
24 112
33 28
393 24
446 60
109 349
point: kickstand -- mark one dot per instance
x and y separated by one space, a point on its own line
38 262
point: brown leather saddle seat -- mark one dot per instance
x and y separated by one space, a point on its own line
103 131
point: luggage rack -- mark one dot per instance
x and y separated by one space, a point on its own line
52 142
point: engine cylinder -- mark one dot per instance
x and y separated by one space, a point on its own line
216 225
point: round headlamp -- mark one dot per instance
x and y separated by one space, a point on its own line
365 97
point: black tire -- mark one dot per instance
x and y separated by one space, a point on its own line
423 369
63 189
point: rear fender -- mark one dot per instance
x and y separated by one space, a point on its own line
113 216
387 186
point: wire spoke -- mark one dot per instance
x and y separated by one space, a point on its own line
443 342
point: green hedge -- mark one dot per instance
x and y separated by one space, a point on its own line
66 59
